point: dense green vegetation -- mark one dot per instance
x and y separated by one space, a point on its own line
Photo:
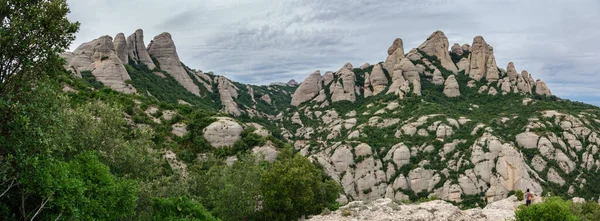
555 208
97 154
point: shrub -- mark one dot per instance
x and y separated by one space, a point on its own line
179 208
553 208
520 195
589 210
346 213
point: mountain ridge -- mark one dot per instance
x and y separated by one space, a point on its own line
434 121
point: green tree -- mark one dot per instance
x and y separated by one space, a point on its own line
520 195
553 208
294 187
180 208
234 191
32 35
587 211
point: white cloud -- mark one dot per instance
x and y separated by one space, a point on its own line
263 41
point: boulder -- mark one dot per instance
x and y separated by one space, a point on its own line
466 48
542 89
451 88
308 89
457 49
554 177
378 80
483 62
365 66
267 152
137 50
527 140
414 55
223 133
437 79
266 98
395 55
437 45
163 49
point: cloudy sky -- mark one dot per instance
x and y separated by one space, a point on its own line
263 41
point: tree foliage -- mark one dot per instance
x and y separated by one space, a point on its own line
553 208
294 187
32 35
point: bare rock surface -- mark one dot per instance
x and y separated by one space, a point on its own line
483 62
308 89
163 49
437 45
437 210
451 88
223 133
137 50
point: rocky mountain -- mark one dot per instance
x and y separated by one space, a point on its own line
438 120
129 66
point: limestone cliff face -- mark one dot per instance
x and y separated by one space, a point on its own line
483 62
137 50
437 45
100 58
308 89
344 90
163 49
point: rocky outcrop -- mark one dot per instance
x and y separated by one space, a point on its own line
437 45
457 49
99 57
163 49
227 91
344 90
451 88
417 87
327 78
388 209
409 70
395 54
113 74
292 83
308 89
483 62
378 80
464 65
121 48
511 71
137 51
437 79
542 89
414 55
223 133
398 82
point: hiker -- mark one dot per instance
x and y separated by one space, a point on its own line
528 197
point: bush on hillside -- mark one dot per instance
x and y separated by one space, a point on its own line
552 209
